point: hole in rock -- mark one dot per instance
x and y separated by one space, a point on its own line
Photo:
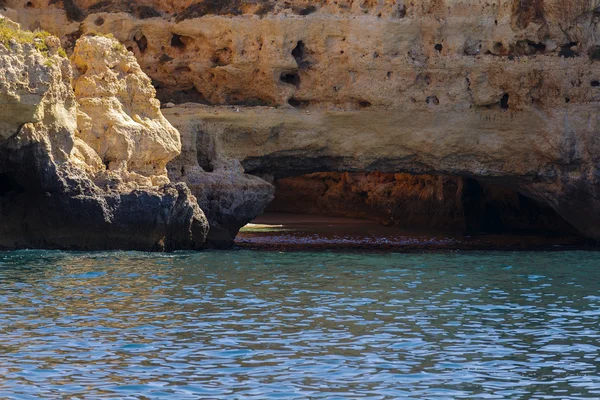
498 48
433 100
308 10
74 13
166 94
538 47
438 47
504 102
141 41
144 12
595 53
222 57
164 58
99 21
206 143
29 4
102 5
400 11
177 42
296 103
351 208
595 83
528 47
290 78
299 53
569 50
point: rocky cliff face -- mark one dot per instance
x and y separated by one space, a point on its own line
55 190
351 54
503 92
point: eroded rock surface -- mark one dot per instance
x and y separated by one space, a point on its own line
440 203
119 117
50 197
229 198
529 152
503 92
351 54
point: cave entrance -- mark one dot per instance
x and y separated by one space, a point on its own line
404 205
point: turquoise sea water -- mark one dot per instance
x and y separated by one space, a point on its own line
245 324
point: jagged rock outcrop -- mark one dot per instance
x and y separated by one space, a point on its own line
503 92
118 116
50 196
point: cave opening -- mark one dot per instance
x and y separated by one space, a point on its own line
398 203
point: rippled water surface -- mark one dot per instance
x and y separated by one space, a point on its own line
299 325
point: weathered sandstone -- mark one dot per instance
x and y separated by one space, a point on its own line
350 54
118 114
529 152
502 92
51 192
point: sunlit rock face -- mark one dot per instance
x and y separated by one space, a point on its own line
504 92
54 193
118 115
346 54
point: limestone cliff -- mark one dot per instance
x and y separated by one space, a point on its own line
503 92
50 192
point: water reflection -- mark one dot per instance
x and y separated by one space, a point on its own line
297 325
